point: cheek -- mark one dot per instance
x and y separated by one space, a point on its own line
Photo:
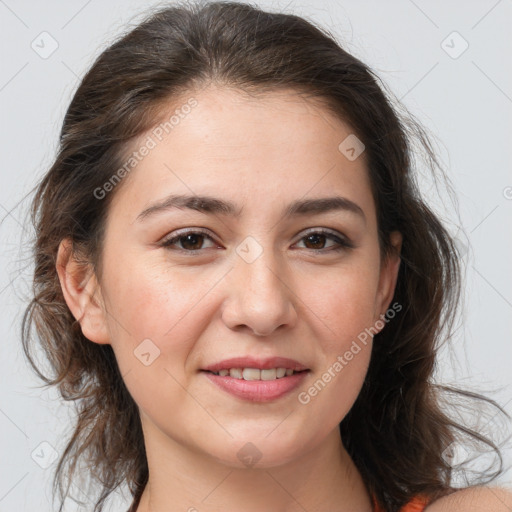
146 303
343 298
154 323
343 303
344 339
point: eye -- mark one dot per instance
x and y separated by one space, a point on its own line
191 241
318 237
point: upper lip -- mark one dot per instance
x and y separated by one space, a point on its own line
254 362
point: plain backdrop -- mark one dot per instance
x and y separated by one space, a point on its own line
448 62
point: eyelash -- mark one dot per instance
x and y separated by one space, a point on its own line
343 243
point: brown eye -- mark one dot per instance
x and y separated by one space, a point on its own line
190 242
316 241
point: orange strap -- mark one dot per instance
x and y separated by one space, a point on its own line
417 504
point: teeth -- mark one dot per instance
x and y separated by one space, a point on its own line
235 373
255 373
252 374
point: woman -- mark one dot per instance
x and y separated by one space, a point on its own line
238 282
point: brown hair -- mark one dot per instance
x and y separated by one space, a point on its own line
397 431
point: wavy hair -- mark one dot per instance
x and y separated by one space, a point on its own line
398 430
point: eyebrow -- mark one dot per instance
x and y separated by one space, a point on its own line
212 205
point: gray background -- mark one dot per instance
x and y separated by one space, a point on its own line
464 100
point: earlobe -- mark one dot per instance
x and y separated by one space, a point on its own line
389 275
82 293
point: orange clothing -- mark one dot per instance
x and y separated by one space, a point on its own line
417 504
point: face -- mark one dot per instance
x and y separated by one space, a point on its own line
182 289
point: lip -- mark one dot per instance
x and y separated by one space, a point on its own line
257 390
253 362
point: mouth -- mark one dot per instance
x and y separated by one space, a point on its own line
256 368
256 384
256 373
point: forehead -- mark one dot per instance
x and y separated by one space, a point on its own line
246 147
230 122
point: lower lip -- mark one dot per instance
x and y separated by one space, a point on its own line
257 390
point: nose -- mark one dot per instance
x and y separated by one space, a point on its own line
260 297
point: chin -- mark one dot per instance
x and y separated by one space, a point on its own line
256 454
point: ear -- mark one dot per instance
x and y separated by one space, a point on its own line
388 275
82 293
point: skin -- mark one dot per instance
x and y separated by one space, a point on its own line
475 499
261 153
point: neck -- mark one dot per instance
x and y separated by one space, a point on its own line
324 478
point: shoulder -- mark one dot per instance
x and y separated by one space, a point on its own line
474 499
